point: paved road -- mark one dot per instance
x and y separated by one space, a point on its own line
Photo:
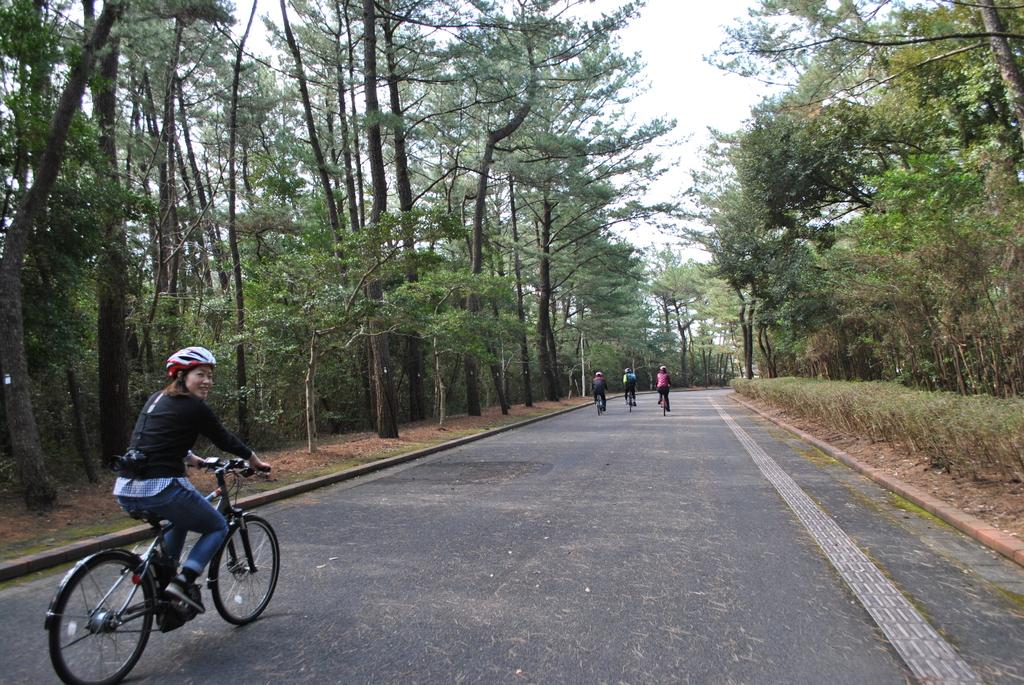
628 548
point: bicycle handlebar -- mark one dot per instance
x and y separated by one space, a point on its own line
233 465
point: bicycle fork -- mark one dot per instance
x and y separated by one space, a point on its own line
234 559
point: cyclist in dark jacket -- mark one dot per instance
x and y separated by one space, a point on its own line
600 386
164 433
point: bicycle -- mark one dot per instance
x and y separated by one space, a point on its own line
100 619
630 400
664 404
600 405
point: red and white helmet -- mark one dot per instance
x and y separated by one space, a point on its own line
598 375
190 357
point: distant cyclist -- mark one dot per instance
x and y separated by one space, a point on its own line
600 386
663 383
629 383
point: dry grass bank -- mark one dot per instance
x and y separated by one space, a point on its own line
977 437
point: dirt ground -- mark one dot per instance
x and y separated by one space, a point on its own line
86 510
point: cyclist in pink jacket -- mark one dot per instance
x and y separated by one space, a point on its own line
663 383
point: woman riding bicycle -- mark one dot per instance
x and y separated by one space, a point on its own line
664 382
160 446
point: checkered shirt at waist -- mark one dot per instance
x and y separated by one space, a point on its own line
147 487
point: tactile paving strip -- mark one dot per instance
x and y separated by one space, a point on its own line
929 657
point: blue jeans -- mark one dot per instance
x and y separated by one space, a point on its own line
187 510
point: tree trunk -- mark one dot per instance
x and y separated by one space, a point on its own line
78 422
545 352
241 375
414 357
524 350
767 350
690 358
476 255
346 143
311 437
382 379
314 138
111 282
1005 59
471 371
497 377
167 230
204 199
26 447
439 388
684 374
369 399
747 326
358 165
5 438
148 124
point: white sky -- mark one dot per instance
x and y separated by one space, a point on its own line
672 37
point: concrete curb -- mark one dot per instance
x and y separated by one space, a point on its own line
20 566
993 538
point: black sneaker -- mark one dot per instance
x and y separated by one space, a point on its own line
185 592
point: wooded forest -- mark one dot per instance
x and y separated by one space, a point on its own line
417 208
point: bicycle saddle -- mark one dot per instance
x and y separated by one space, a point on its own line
150 517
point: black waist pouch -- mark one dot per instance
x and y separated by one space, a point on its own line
131 464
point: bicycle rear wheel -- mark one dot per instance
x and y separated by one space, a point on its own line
100 619
243 572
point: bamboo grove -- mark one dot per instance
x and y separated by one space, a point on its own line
391 211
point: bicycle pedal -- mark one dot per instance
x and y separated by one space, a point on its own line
185 599
184 610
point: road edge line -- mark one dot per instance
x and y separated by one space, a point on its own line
985 533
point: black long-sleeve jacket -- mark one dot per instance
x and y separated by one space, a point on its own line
168 426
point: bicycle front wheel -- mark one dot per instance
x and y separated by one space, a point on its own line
100 619
243 573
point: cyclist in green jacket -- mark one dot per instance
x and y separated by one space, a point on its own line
629 383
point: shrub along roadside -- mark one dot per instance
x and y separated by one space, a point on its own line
973 436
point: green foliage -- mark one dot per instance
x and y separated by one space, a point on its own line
23 37
29 50
800 170
305 283
870 214
188 11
